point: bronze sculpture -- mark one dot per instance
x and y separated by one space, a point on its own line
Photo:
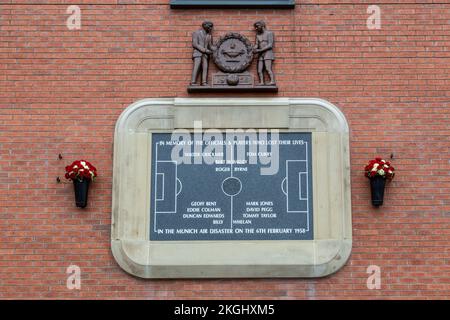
264 47
233 53
203 46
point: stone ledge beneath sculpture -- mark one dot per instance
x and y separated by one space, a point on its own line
233 82
241 88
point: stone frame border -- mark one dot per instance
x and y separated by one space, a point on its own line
324 255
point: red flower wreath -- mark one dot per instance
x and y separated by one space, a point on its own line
81 170
379 167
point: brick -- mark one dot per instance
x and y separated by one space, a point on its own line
392 85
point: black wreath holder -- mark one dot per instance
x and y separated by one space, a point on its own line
378 171
81 172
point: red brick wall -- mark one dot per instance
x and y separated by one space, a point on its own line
61 92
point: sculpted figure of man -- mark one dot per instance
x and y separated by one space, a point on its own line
203 45
264 47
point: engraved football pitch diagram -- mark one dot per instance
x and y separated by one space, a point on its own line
230 199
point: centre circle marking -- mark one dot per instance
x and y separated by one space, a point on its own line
231 186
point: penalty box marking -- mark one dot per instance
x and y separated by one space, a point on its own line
162 200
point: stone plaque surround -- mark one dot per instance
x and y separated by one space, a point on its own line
324 255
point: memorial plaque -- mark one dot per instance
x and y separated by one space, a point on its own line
231 188
248 187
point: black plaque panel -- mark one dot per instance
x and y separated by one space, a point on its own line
231 199
232 3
